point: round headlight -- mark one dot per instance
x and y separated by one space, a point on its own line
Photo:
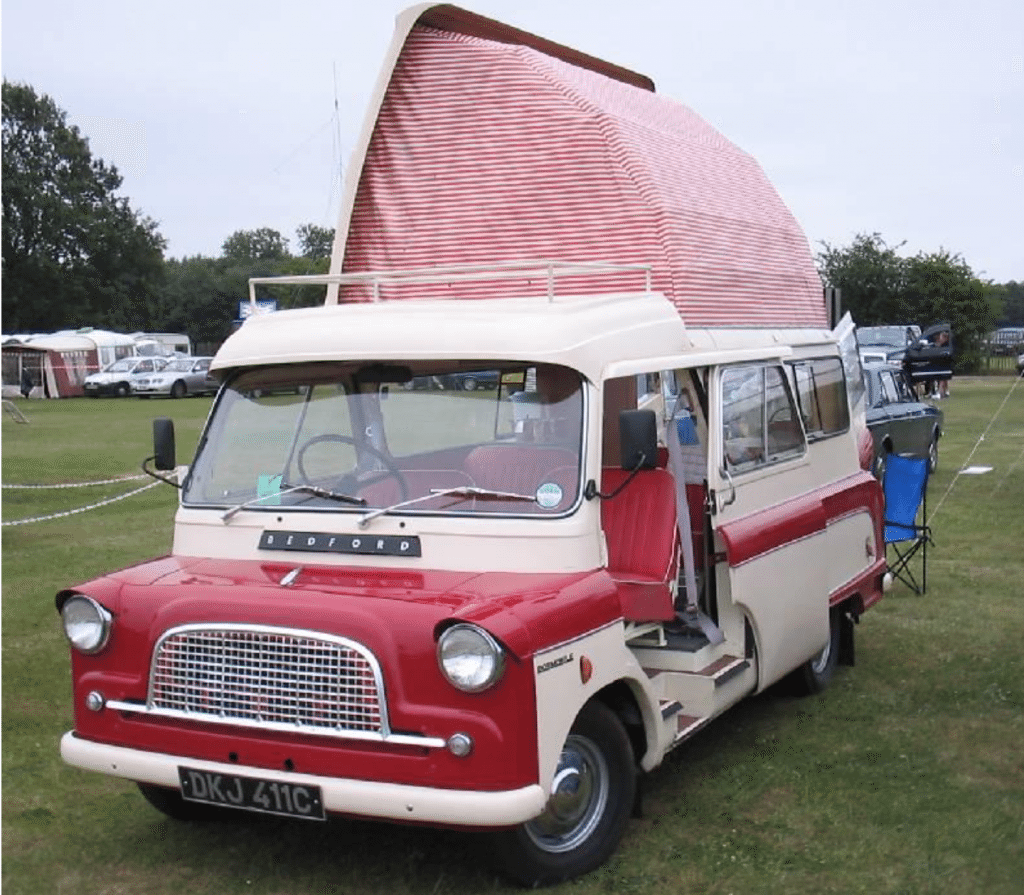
86 623
470 658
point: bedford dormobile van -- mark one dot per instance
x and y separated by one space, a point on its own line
487 608
396 596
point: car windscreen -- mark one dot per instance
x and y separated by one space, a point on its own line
491 438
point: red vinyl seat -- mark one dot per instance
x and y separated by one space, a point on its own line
643 545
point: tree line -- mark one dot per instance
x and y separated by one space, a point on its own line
879 286
76 253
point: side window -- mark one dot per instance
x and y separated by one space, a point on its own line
760 422
902 389
890 395
821 393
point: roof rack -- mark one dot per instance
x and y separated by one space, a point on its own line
454 273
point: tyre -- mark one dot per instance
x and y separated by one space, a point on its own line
170 802
816 673
469 384
933 454
586 815
122 390
178 390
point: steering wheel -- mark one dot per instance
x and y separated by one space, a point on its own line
391 471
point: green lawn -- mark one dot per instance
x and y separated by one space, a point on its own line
906 776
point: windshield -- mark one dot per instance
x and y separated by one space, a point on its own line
179 366
893 336
496 439
122 366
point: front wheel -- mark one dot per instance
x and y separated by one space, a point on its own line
591 799
178 390
933 454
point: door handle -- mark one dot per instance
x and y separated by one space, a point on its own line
732 490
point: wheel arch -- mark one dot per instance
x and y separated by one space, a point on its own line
625 697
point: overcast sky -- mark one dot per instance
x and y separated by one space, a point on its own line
905 119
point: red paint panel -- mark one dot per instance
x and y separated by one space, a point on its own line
760 533
394 613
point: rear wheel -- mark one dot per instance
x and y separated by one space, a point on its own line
591 799
816 673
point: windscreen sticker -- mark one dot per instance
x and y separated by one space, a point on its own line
268 488
549 495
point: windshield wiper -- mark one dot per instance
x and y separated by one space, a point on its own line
456 491
315 490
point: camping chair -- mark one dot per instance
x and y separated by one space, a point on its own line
905 483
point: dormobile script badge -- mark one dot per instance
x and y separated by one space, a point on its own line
324 542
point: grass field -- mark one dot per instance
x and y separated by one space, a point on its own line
906 776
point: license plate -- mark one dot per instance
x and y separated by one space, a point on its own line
251 793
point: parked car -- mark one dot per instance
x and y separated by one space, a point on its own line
181 377
899 422
467 381
885 343
116 378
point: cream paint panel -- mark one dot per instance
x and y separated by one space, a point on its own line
784 595
573 544
365 798
561 693
846 563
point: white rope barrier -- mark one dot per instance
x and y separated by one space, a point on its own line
78 510
119 480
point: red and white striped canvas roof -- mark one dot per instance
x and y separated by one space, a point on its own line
487 150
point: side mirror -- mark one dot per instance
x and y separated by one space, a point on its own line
163 444
638 439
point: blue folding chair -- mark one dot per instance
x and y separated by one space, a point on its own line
905 483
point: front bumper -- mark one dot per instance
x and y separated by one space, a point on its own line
365 798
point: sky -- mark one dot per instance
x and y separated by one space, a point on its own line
905 119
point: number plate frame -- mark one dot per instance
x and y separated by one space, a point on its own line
252 794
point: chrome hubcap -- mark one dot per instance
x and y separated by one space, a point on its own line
820 662
579 794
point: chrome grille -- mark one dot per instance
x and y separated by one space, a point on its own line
273 677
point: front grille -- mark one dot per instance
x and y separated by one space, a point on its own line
274 677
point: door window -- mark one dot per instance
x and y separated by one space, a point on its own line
760 422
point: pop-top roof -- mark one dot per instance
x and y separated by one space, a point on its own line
487 144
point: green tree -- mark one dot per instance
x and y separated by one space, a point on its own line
315 242
261 245
881 287
1012 313
870 274
74 252
941 287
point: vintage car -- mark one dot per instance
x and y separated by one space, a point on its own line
899 422
459 608
881 344
182 376
116 378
